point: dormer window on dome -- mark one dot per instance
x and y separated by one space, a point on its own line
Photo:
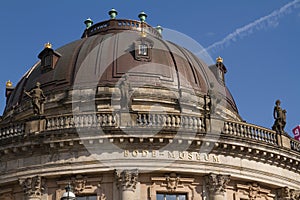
49 58
143 48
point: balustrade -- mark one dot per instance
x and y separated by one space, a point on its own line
159 120
121 24
243 130
170 121
82 120
12 131
295 145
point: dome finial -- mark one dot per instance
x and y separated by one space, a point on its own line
48 45
9 84
219 59
142 16
88 23
113 13
159 29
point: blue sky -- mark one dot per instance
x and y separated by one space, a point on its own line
263 61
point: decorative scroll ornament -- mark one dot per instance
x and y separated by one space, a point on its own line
32 187
216 183
127 179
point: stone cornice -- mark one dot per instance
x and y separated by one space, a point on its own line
221 145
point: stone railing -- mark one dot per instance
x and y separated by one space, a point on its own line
12 130
82 120
155 120
295 145
249 131
171 121
120 24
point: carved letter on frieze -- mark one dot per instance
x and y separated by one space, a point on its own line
216 183
127 179
32 187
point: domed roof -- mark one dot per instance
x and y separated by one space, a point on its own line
109 51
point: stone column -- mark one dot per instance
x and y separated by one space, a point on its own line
32 188
126 182
216 185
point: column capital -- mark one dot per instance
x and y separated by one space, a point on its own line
286 193
127 179
216 183
32 187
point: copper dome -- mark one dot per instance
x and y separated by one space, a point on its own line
105 53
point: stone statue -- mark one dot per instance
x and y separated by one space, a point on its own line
280 118
214 98
37 96
125 90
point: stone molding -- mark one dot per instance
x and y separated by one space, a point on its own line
33 187
126 179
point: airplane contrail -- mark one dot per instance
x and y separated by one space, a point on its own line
261 23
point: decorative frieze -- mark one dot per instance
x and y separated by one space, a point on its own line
33 187
127 179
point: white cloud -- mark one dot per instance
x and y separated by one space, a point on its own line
265 22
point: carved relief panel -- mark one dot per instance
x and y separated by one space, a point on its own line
82 186
252 191
174 184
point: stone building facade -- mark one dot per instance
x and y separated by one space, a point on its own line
122 114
